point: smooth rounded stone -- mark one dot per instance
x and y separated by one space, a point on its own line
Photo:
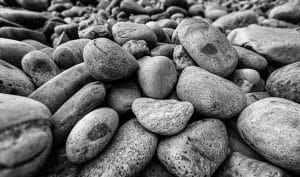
181 58
125 31
277 45
58 165
37 5
236 20
26 18
207 46
269 126
132 7
107 61
180 3
49 51
255 96
36 44
121 95
214 11
161 35
174 10
137 48
156 169
250 59
164 117
156 76
70 53
239 165
60 88
14 81
70 29
277 23
237 144
159 16
139 18
167 23
285 82
75 108
13 51
128 154
163 50
91 134
17 33
289 12
197 151
245 78
25 139
196 10
212 95
40 67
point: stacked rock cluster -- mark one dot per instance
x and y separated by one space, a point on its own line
149 88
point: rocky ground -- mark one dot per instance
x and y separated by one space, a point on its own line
149 88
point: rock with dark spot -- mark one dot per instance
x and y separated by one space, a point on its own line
164 117
212 95
197 151
14 81
207 46
107 61
121 95
82 102
285 82
128 154
271 127
91 134
239 165
40 67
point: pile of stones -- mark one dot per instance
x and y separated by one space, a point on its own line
149 88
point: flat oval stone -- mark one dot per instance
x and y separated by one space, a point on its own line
157 76
107 61
91 134
164 117
197 151
212 95
37 5
125 31
207 46
40 67
128 154
14 81
237 165
289 12
19 34
277 45
271 127
285 82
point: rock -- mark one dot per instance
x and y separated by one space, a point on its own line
167 23
137 48
37 5
275 44
276 23
70 53
156 76
164 117
255 96
214 11
49 51
60 88
70 29
156 169
26 139
211 95
91 134
36 44
161 35
13 51
236 20
197 151
181 59
125 31
285 82
163 50
289 12
132 7
269 126
250 59
128 154
14 81
239 165
207 46
75 108
107 61
167 3
196 10
40 67
121 95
